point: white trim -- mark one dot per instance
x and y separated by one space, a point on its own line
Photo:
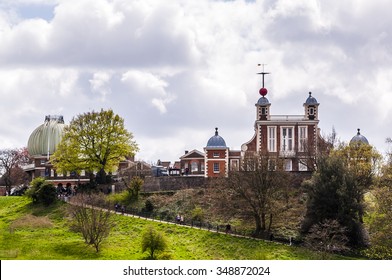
288 165
290 141
302 144
269 138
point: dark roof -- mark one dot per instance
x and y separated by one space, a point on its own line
358 138
311 100
263 101
216 141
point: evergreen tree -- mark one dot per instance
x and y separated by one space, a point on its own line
332 196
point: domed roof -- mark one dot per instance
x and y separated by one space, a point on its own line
311 100
216 141
359 138
263 101
45 138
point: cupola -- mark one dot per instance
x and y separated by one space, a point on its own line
358 138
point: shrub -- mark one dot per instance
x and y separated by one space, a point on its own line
152 242
42 191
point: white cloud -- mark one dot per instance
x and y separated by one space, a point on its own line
187 66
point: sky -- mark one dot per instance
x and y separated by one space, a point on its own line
175 70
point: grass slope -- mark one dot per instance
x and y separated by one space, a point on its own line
39 233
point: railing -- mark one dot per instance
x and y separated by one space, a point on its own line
209 226
287 118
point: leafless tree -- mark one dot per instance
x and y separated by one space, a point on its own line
327 237
259 188
10 162
90 218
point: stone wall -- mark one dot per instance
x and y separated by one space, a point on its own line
156 184
167 183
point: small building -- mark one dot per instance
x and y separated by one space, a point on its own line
192 163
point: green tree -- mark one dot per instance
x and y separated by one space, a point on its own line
95 142
332 195
380 213
153 242
134 188
362 161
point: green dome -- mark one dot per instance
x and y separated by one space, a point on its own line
47 136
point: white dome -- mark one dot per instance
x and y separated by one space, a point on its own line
45 138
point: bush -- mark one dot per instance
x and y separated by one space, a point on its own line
153 241
42 191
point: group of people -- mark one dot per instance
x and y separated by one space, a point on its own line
180 219
119 208
63 193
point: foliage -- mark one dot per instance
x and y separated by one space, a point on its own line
42 191
362 161
94 223
380 227
327 236
153 242
148 206
380 215
95 142
134 188
197 214
10 162
333 195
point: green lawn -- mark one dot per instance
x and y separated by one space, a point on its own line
36 233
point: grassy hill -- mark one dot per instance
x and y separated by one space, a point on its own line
42 233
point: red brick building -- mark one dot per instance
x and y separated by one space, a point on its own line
290 137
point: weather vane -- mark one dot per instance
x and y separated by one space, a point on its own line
262 73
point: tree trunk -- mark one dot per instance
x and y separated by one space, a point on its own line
101 177
259 228
270 223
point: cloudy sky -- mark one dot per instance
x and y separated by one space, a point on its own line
175 70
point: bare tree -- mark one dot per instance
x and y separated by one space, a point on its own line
327 237
10 162
260 185
91 219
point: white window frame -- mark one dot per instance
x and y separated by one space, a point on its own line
302 138
271 164
288 165
285 141
271 134
234 165
302 166
194 166
215 154
216 167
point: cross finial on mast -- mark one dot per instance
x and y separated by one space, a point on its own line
262 73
